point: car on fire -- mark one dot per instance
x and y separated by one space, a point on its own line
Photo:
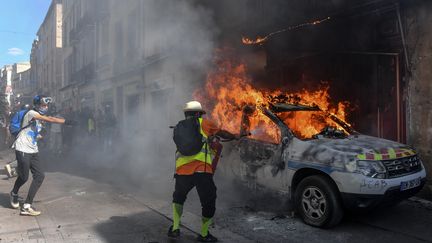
336 170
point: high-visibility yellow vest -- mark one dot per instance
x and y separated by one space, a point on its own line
200 156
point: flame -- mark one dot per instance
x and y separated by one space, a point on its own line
260 40
228 89
305 124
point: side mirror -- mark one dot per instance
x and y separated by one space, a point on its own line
285 140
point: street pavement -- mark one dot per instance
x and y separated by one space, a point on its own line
78 209
78 206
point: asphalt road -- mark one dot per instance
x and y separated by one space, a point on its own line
80 203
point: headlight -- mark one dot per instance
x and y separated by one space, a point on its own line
374 169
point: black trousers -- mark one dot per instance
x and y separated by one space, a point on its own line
28 162
205 187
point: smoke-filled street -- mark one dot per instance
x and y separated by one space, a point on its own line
77 208
215 121
117 209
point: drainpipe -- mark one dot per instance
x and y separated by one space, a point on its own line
398 101
378 122
407 68
402 37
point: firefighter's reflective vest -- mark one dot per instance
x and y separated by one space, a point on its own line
201 156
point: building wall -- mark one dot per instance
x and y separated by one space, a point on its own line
7 82
419 36
69 22
21 78
117 60
48 52
84 56
34 71
112 56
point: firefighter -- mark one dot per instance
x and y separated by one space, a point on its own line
196 171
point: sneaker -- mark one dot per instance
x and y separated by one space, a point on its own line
14 200
14 173
30 211
207 238
173 233
8 170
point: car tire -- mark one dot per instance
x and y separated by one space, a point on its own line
317 202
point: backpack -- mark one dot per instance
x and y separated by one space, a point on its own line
15 125
187 137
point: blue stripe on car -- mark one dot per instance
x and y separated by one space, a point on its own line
295 165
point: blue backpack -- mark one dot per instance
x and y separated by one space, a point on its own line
15 125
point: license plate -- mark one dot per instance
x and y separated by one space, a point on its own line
405 185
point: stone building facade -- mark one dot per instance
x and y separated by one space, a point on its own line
23 87
419 90
6 82
46 55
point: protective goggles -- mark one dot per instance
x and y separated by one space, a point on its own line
46 100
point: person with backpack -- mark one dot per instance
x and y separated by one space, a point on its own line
194 158
10 167
25 126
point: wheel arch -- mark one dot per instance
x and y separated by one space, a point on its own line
302 173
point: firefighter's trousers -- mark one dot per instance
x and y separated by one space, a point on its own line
205 187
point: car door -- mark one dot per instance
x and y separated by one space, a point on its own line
262 162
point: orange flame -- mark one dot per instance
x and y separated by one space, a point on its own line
228 90
260 40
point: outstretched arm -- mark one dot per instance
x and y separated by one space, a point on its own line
49 119
226 135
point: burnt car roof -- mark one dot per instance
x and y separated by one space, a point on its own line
284 107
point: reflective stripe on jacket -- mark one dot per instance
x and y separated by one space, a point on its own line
201 156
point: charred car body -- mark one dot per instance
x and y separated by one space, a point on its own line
334 170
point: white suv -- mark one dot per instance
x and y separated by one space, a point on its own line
330 172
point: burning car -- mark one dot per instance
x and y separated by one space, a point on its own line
328 172
301 147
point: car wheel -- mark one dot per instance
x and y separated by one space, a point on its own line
317 202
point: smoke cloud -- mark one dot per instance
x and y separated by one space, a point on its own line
171 43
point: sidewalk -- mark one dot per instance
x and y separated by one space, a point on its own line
77 209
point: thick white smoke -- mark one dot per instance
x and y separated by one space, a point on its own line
174 43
